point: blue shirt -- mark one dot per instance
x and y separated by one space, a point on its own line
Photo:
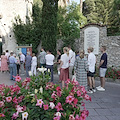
104 57
12 60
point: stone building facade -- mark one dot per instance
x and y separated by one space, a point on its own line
9 9
111 42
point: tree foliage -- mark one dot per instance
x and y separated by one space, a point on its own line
49 24
29 33
106 12
70 20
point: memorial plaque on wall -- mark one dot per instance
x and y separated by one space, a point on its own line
91 39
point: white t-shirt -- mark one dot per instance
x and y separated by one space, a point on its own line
91 62
22 58
49 59
7 54
65 60
34 60
72 57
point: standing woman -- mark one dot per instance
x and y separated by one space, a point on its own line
4 64
64 66
34 64
81 69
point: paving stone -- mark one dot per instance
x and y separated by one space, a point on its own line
88 118
92 105
109 105
92 112
104 112
113 117
99 118
115 111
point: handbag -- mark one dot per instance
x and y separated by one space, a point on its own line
74 77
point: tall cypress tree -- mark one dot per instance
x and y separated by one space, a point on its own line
49 24
89 11
97 11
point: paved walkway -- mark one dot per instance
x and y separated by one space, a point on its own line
104 105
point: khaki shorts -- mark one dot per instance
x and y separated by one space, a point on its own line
102 72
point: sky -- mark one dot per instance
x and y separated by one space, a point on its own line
78 1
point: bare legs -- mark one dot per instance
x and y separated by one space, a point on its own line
63 84
102 79
91 82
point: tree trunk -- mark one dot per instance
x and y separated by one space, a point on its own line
81 4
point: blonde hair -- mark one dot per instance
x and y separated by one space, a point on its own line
66 50
91 49
104 47
82 53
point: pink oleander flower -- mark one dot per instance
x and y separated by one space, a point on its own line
53 95
68 81
75 82
78 93
15 100
56 118
1 104
87 97
40 103
69 99
83 89
83 116
15 115
71 117
45 107
19 108
77 117
59 107
18 78
9 99
58 88
2 115
52 105
75 101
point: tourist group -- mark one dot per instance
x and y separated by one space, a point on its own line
70 65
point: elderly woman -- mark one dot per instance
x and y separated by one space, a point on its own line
64 66
4 64
81 69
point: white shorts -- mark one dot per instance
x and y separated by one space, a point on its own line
102 72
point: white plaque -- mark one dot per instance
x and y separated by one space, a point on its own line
91 39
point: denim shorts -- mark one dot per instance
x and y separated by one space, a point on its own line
102 72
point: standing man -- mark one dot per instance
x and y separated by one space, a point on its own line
22 61
12 65
102 68
71 61
91 64
7 54
42 58
28 63
49 62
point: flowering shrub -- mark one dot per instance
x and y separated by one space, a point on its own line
38 99
111 73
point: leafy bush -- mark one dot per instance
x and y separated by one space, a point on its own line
111 73
38 99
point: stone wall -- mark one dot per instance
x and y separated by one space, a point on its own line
111 42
